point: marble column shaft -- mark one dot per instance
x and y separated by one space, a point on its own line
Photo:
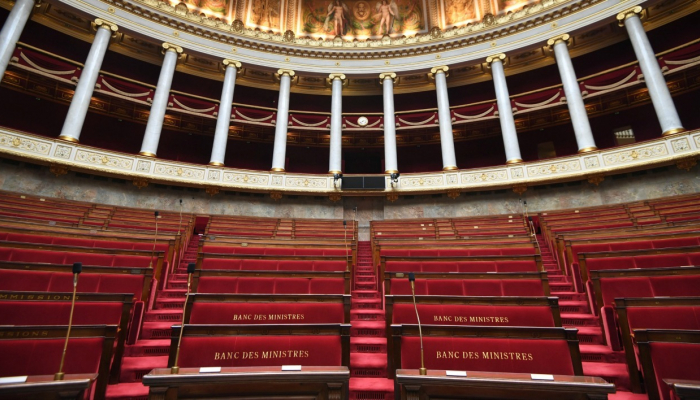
390 157
77 111
11 31
154 126
654 79
574 100
223 120
280 147
336 147
505 112
447 145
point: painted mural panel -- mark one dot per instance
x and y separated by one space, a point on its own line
502 6
460 12
265 14
215 8
361 18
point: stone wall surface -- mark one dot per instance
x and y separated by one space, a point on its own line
644 185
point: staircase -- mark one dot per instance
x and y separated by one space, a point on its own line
153 345
598 359
368 352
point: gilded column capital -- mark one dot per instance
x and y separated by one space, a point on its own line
101 23
496 57
232 63
387 75
636 10
284 71
332 77
172 47
565 38
436 70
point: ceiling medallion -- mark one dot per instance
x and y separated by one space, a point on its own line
435 32
489 19
289 36
238 25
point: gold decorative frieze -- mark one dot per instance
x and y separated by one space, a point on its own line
680 145
91 157
636 154
306 182
180 172
591 162
486 176
276 196
246 179
140 182
143 166
62 151
17 142
423 181
517 173
555 168
58 169
277 180
213 175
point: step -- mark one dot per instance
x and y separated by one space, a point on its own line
557 279
573 307
615 373
367 329
365 285
170 303
371 365
601 353
156 330
148 348
368 345
177 284
371 389
163 316
134 368
590 335
367 315
576 320
365 294
373 304
127 391
365 279
172 293
625 395
569 296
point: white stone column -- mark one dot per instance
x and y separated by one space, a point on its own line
223 120
11 31
505 112
154 126
447 144
280 150
73 124
390 159
336 152
658 90
574 100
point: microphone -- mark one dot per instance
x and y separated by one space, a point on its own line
180 223
412 279
345 239
155 238
190 270
77 269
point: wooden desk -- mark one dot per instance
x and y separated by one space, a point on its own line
492 385
685 390
250 383
43 387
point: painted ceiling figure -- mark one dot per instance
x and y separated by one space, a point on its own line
388 12
339 11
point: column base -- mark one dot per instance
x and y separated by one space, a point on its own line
335 172
277 169
147 154
216 164
587 149
450 168
391 171
672 132
514 161
69 138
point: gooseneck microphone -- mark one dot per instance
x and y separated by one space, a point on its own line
412 279
190 270
77 269
345 239
155 238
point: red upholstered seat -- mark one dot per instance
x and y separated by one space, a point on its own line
469 287
253 285
674 361
45 313
50 281
42 356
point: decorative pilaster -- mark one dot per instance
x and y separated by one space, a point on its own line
280 148
505 112
335 161
11 31
149 147
73 124
223 120
574 100
387 79
654 79
447 145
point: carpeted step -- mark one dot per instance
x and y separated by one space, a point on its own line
134 368
368 345
176 284
368 329
573 307
365 279
373 304
371 389
590 335
601 353
156 330
558 278
561 286
367 315
365 285
148 348
127 391
576 320
172 293
368 365
625 395
163 316
566 296
170 303
365 294
615 373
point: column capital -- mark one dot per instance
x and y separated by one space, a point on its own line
284 71
172 47
231 63
636 10
496 57
101 23
387 75
565 38
332 77
436 70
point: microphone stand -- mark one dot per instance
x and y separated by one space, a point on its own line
174 370
155 238
345 239
77 269
412 279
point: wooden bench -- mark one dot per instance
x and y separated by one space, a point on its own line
469 284
270 282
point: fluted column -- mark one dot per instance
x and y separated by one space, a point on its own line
390 158
447 144
223 120
11 31
574 100
154 126
658 90
280 150
336 154
505 112
73 124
